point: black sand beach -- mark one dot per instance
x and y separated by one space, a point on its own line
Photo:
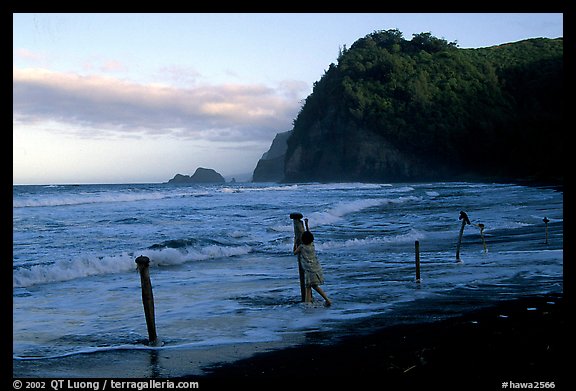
521 343
459 341
518 343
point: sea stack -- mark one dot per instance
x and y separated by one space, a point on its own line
201 175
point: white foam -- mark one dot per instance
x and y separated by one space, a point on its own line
342 209
346 186
86 266
403 189
242 189
66 270
373 241
94 198
171 256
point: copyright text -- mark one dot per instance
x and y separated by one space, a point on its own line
103 384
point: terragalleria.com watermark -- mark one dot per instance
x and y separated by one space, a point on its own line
103 384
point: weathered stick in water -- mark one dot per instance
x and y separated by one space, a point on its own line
464 217
481 226
417 252
298 231
546 221
147 298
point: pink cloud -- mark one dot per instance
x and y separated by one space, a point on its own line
29 55
213 112
104 66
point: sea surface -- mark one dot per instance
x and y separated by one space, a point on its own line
222 267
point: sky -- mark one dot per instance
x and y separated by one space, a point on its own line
138 98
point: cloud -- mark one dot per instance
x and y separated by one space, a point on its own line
227 112
30 55
104 66
179 75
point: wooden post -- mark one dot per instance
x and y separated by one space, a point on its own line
417 252
464 217
147 298
546 221
481 226
298 231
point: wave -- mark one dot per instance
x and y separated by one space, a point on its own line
47 200
342 209
408 237
86 266
66 270
403 189
240 189
173 256
347 186
314 186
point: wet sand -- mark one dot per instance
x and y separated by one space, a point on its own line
143 363
518 341
473 344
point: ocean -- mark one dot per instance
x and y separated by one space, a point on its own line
222 268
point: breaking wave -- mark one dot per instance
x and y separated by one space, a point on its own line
86 266
336 213
95 198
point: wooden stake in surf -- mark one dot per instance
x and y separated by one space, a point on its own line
298 231
464 217
143 264
481 226
417 255
546 221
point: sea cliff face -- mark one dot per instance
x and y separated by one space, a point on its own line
270 167
366 157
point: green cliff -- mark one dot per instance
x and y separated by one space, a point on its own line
393 109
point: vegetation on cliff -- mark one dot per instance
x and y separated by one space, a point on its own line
397 109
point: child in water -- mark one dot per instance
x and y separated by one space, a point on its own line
312 270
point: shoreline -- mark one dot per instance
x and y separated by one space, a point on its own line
518 340
474 341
